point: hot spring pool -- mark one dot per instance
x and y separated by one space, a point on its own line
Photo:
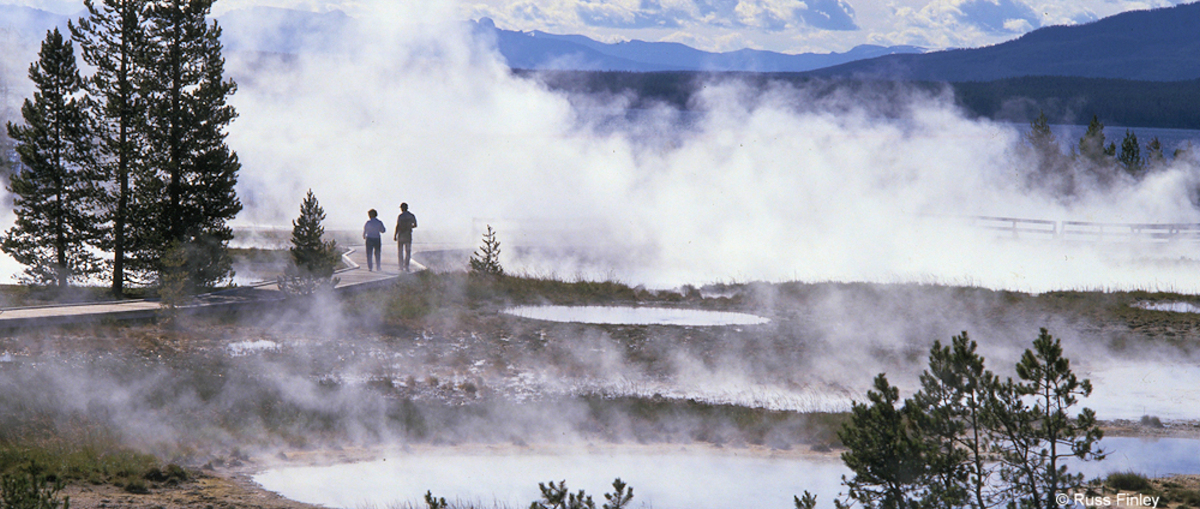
662 477
624 315
1173 307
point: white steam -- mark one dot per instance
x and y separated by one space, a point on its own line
776 185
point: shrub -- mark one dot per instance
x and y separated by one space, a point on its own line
29 488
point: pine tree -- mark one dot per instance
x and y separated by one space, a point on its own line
313 258
1091 145
111 39
1052 169
55 191
888 458
1131 154
186 193
486 261
952 410
1154 154
1036 434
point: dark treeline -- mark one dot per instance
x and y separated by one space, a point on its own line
1065 100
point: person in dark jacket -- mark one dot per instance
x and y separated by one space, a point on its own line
405 223
371 233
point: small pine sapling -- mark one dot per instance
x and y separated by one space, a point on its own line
434 503
620 497
486 261
557 496
808 502
313 258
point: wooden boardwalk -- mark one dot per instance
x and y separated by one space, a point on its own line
355 277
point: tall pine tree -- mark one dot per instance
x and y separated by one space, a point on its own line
54 190
186 192
111 39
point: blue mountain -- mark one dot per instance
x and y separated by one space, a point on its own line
539 50
1153 45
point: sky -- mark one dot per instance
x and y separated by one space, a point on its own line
788 26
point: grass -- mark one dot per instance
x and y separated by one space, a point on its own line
86 455
1128 481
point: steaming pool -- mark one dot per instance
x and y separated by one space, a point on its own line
663 477
625 315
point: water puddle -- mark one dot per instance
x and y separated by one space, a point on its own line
248 347
623 315
662 478
1174 307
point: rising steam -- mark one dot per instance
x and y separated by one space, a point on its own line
750 185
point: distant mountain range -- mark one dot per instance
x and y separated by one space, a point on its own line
539 50
1155 45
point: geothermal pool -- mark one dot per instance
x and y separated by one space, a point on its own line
666 478
1174 307
662 477
624 315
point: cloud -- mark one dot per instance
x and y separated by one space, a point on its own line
1010 16
829 15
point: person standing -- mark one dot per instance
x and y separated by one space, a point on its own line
403 235
371 233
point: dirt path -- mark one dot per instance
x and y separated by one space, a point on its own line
205 491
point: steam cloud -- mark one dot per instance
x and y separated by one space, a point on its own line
773 185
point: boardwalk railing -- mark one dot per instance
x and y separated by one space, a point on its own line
1021 228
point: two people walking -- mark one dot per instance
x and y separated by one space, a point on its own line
374 229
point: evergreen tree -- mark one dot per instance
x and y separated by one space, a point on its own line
1131 154
111 39
952 410
1036 435
186 193
1154 154
1052 171
313 258
1091 145
486 261
55 190
886 455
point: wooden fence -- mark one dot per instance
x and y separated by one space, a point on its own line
1021 228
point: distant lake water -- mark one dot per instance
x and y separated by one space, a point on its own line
1171 139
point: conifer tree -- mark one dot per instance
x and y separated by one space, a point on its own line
1131 154
952 409
54 190
1051 170
1036 436
1091 145
186 192
111 40
486 261
313 258
887 457
1154 154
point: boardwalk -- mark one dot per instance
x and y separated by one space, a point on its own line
354 277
